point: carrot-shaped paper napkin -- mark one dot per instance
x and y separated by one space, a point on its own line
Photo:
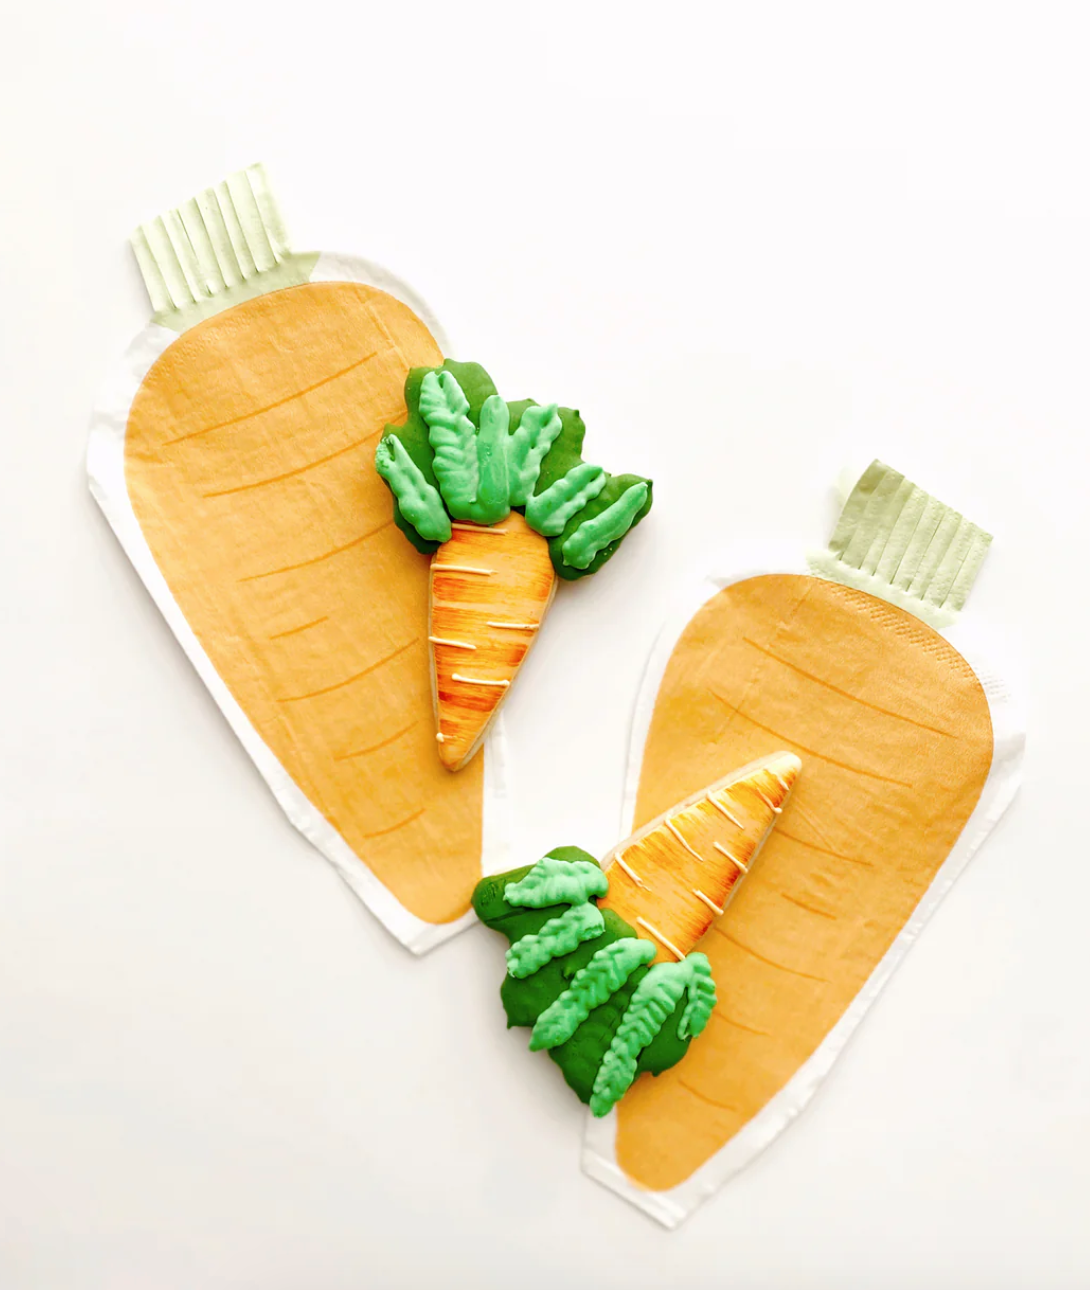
857 659
279 421
233 455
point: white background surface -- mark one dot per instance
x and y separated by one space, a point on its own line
784 238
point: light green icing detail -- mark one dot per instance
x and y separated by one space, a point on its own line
420 503
526 449
558 936
591 986
550 511
224 246
557 882
471 463
492 469
452 436
899 543
613 523
653 1000
702 997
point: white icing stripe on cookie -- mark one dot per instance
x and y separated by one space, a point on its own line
477 680
733 859
477 528
776 810
707 901
629 870
461 568
443 640
650 927
720 807
677 834
525 627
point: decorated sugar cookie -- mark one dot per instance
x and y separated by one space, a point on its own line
500 496
603 963
857 658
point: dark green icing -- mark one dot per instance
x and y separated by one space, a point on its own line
524 1000
564 453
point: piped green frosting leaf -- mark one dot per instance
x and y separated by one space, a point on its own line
592 990
418 501
557 882
700 996
452 435
655 998
591 986
413 433
538 429
559 936
492 503
596 534
548 512
485 456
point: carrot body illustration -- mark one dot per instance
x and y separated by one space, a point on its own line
675 876
490 590
912 750
248 463
895 729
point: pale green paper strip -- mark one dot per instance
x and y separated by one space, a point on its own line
222 252
900 543
213 279
250 222
226 245
233 217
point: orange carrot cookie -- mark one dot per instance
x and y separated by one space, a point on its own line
603 963
232 456
490 589
858 660
500 496
677 874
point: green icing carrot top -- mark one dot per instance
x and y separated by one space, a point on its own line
579 976
465 454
